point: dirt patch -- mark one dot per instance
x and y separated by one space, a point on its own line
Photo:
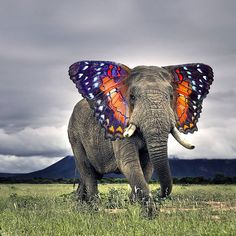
215 206
176 209
223 206
115 211
215 217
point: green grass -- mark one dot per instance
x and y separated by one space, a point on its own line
51 210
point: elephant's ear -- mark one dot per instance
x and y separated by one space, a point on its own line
103 82
191 84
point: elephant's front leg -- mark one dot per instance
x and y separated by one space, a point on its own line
127 156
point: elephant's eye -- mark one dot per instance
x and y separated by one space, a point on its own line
132 97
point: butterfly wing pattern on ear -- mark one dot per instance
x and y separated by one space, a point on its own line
103 82
191 84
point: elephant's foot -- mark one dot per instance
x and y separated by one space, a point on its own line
89 199
138 195
149 209
81 193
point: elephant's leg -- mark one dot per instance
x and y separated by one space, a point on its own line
87 189
146 165
127 156
81 191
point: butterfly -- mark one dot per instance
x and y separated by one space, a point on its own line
104 83
191 85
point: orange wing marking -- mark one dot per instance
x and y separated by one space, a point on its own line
115 99
184 91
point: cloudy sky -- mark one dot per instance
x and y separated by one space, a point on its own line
40 39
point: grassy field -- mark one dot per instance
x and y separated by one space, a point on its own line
51 210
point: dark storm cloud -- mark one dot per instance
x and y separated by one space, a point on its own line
40 39
31 142
25 164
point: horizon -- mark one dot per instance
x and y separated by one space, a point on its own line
41 40
171 157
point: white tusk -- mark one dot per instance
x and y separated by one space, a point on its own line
176 134
129 131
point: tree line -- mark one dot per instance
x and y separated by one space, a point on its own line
217 179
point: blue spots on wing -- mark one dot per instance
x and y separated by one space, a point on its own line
95 79
96 85
199 70
85 67
100 108
91 95
194 88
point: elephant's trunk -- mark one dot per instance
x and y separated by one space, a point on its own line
157 149
155 122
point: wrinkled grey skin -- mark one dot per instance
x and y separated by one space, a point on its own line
150 100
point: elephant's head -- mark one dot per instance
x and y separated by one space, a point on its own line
147 100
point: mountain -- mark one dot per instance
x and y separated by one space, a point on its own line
6 175
65 168
203 167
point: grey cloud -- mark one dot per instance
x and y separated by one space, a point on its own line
43 141
15 164
226 97
210 142
34 98
219 110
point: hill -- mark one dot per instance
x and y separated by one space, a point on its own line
65 168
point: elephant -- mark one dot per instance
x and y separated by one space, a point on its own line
124 119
